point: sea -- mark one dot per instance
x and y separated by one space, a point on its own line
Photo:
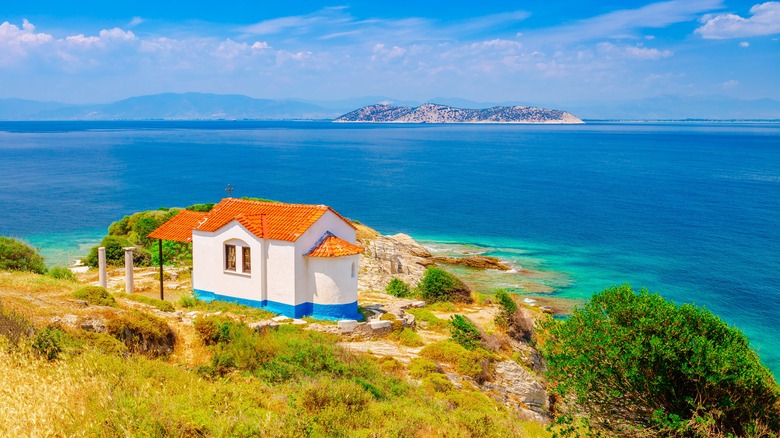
690 210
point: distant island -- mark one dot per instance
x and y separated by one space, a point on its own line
434 113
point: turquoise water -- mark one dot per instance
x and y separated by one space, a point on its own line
691 211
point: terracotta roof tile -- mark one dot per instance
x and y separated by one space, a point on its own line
283 221
179 227
332 246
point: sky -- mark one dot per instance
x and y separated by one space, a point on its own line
550 52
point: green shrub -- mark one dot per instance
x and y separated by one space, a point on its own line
420 367
442 306
214 329
143 333
439 285
636 362
398 288
18 256
431 321
324 395
512 319
464 332
48 343
61 273
507 308
163 305
203 208
96 295
409 338
387 317
475 364
115 253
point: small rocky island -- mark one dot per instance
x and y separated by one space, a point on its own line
433 113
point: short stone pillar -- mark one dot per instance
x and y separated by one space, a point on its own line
102 279
129 269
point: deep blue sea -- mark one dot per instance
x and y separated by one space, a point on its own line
689 210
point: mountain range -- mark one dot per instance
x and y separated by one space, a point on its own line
204 106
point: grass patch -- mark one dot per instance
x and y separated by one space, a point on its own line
254 313
475 364
95 295
165 306
409 338
442 306
432 322
61 273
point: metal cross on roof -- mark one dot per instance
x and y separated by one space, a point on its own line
229 190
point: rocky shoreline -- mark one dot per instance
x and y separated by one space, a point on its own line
400 256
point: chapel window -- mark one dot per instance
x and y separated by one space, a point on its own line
230 257
246 264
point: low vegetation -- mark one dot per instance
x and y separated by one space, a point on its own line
638 365
95 295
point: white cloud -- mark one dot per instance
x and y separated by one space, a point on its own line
135 22
744 44
106 36
730 83
764 20
633 52
627 23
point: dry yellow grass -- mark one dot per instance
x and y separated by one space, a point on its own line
41 398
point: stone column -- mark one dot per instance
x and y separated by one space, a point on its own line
129 269
102 280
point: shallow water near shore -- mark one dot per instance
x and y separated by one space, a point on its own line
691 211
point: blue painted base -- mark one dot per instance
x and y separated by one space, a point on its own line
321 311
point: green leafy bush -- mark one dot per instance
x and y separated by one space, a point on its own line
96 295
18 256
473 363
188 301
48 343
61 273
439 285
639 364
398 288
115 253
464 332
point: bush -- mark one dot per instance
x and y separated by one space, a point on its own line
398 288
464 332
637 363
115 253
96 295
143 333
439 285
18 256
437 383
48 343
513 319
431 321
61 273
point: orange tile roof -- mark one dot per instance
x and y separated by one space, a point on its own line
179 227
283 221
332 246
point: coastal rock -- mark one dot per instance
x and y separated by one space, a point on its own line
518 388
387 257
474 261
